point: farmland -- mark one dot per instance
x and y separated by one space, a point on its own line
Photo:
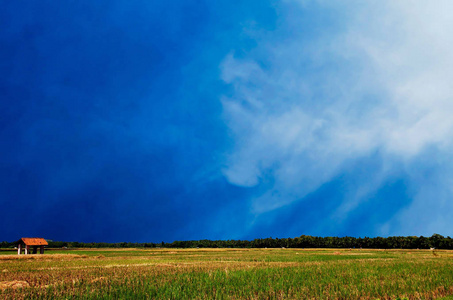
227 274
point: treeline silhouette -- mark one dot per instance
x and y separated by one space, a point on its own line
305 241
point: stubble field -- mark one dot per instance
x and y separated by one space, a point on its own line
227 274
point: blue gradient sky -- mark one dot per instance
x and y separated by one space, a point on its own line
154 121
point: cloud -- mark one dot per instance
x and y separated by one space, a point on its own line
305 107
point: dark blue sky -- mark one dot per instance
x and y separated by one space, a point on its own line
151 121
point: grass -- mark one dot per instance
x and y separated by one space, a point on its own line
228 274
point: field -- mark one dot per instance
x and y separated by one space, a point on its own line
227 274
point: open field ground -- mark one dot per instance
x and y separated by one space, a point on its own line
227 274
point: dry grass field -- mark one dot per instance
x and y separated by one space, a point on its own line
227 274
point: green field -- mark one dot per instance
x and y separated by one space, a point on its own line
228 274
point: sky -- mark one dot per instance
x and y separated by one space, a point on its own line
150 121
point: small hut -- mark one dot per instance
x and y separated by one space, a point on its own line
26 243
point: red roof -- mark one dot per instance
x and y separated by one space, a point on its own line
34 241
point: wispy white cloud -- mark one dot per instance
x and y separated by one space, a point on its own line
305 107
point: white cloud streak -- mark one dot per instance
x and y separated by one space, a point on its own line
303 108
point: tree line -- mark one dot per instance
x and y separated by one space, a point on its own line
305 241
